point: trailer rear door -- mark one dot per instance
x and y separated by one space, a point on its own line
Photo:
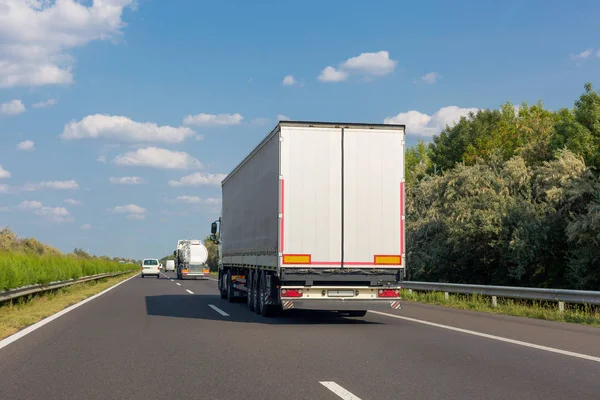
310 199
373 231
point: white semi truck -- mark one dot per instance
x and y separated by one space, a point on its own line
190 259
313 218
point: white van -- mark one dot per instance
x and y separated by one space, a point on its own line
150 266
170 265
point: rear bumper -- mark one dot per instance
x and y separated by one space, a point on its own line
195 275
150 273
341 304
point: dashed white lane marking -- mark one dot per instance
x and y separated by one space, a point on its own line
339 391
217 309
178 284
37 325
494 337
171 280
189 291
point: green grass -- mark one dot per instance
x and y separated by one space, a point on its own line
23 312
17 269
574 313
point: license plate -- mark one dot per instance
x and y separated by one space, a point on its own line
340 293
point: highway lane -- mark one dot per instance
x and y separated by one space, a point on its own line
153 339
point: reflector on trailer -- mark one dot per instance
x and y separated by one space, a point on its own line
291 292
389 260
296 259
388 293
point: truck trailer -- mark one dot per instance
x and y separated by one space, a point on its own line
313 218
190 257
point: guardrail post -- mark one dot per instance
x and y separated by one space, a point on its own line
561 306
409 291
494 301
447 296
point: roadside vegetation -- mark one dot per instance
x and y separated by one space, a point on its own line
509 197
26 261
23 312
574 313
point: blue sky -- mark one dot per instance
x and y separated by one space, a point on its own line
165 97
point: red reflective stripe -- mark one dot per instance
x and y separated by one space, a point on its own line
282 233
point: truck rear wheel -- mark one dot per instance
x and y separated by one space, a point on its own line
250 287
264 309
255 291
221 285
229 287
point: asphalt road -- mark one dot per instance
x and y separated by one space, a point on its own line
154 339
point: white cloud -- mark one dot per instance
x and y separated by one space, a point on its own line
430 77
61 185
289 80
30 205
330 74
196 200
126 180
282 117
418 123
598 53
57 214
101 159
583 55
4 173
86 227
4 209
198 179
155 157
13 107
123 129
371 63
366 64
72 202
129 208
45 104
133 211
26 145
38 34
213 119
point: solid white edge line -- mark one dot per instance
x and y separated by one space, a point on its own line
494 337
178 284
217 309
189 291
5 342
339 391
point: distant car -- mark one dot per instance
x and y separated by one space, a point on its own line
170 265
150 266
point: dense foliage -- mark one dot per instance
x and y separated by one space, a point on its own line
509 197
26 261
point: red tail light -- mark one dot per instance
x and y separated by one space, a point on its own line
291 292
388 293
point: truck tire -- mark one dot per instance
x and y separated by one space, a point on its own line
255 290
361 313
229 287
264 309
222 290
250 286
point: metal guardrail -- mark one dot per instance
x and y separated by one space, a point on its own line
561 296
33 289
